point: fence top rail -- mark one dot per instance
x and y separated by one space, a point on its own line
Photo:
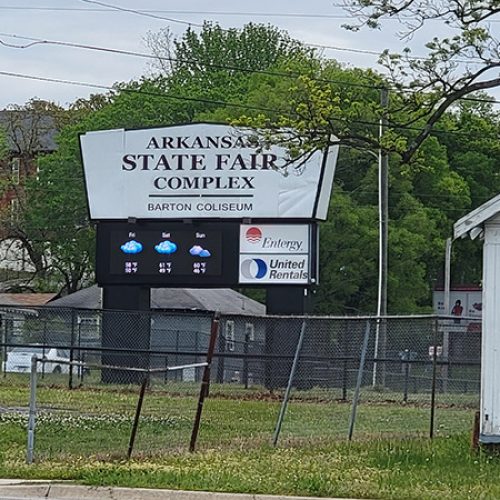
36 310
81 364
366 317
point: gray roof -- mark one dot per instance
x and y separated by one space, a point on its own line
225 300
28 132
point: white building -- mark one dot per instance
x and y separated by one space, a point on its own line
484 222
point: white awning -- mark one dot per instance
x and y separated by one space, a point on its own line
472 223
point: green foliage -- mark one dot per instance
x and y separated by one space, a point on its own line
211 78
441 79
4 144
348 258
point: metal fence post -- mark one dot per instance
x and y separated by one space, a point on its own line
138 409
245 358
32 412
3 363
220 358
344 364
79 344
71 349
407 374
205 383
165 377
44 344
434 375
286 397
359 381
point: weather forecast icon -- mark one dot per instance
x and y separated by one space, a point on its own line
198 251
166 247
131 247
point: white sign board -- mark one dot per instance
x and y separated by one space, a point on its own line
201 171
467 303
277 254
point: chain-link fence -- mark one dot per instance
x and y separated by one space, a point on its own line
292 379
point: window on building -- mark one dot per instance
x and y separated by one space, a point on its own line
14 210
15 166
249 332
88 326
229 335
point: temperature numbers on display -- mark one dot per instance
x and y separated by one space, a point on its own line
166 252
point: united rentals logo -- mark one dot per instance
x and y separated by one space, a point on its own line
253 269
253 235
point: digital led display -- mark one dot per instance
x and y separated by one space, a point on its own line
167 254
205 254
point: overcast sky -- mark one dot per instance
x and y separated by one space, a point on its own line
82 22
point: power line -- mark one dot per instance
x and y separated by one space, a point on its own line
135 91
141 13
207 101
189 12
304 15
150 13
40 41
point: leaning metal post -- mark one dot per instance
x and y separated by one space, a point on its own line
138 409
355 399
205 383
32 411
286 398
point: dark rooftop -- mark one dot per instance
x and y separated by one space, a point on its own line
225 300
28 132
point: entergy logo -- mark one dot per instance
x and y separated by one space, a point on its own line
253 235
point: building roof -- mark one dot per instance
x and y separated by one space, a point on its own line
26 132
464 287
224 300
472 222
25 299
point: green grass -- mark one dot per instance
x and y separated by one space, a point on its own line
392 469
83 435
98 421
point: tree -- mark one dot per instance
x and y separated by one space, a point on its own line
29 132
293 88
56 206
348 258
462 61
31 221
4 144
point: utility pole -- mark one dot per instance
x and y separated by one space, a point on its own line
383 206
383 217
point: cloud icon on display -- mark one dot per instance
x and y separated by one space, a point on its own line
131 247
198 251
166 247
